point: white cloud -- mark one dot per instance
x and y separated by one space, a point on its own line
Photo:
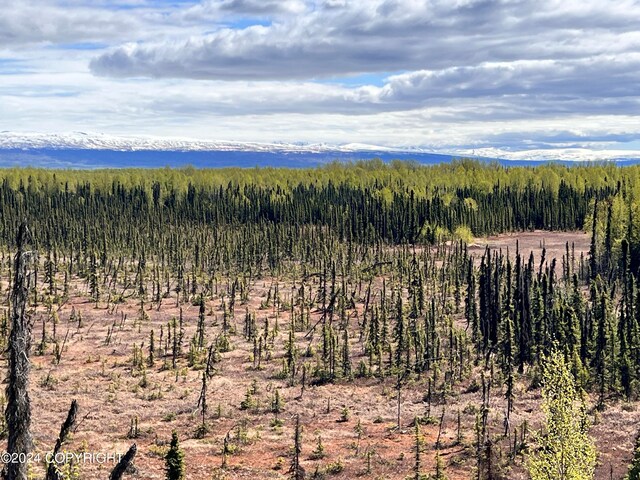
508 74
388 35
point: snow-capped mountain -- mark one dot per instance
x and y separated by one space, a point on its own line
98 141
81 149
560 154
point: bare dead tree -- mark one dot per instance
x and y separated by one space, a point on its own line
53 473
18 411
438 440
202 401
297 471
121 468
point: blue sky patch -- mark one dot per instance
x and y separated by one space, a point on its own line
80 46
375 79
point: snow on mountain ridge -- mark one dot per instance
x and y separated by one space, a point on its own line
83 140
560 154
98 141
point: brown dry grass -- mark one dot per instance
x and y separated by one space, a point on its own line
100 377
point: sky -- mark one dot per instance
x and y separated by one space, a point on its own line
445 75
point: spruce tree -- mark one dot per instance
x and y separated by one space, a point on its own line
174 460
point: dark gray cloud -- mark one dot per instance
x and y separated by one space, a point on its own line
226 11
599 76
333 38
257 7
490 91
29 22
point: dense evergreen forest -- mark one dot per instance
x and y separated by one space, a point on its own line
368 277
367 203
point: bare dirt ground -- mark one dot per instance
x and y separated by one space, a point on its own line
554 243
111 394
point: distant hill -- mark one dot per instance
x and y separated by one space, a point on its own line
83 150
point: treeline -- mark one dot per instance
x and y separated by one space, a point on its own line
108 211
424 180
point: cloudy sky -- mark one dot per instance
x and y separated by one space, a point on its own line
448 75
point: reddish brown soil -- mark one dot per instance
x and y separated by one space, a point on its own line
554 243
100 377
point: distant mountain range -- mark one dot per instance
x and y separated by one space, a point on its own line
86 141
89 150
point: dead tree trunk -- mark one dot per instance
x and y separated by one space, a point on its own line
120 469
53 473
18 411
296 470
